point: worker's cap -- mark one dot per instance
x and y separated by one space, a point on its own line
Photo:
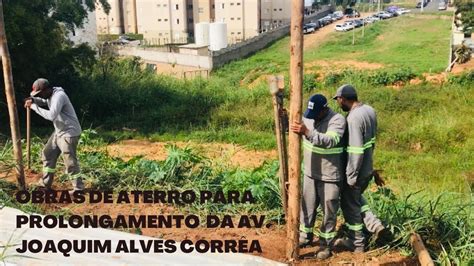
346 91
316 104
39 85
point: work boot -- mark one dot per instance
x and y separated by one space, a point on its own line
323 253
306 239
40 185
383 235
348 245
344 243
359 250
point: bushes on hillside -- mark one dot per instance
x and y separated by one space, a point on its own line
382 77
463 79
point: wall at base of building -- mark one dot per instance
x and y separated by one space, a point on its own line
250 46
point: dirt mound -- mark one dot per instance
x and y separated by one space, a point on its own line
222 152
459 68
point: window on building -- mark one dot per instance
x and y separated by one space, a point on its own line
274 9
238 18
160 34
190 20
279 21
231 4
158 5
231 18
232 33
190 7
222 6
238 4
165 5
177 7
165 19
159 19
213 6
238 33
177 21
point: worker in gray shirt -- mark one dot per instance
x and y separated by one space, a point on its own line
322 130
361 130
65 137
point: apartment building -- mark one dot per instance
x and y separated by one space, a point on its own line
163 21
172 21
204 11
241 16
274 13
111 23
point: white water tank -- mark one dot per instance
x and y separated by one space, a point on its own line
217 36
201 33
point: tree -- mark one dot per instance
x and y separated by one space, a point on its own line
36 30
466 8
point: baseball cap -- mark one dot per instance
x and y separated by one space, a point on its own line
316 104
346 91
39 85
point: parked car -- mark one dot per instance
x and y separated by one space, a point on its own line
372 19
392 12
383 15
333 17
339 14
340 27
358 23
315 25
308 29
343 27
326 20
354 14
402 11
442 6
351 13
418 5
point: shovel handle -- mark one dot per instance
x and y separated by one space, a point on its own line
28 138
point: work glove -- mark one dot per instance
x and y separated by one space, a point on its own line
378 178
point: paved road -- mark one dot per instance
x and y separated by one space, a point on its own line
431 7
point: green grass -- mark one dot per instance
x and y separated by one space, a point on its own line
408 41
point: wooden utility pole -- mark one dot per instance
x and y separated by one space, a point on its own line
12 110
277 85
294 148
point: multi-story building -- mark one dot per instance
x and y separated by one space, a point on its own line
241 16
111 23
204 11
163 21
172 21
274 13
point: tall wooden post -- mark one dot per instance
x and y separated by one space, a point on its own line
12 110
294 148
276 89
